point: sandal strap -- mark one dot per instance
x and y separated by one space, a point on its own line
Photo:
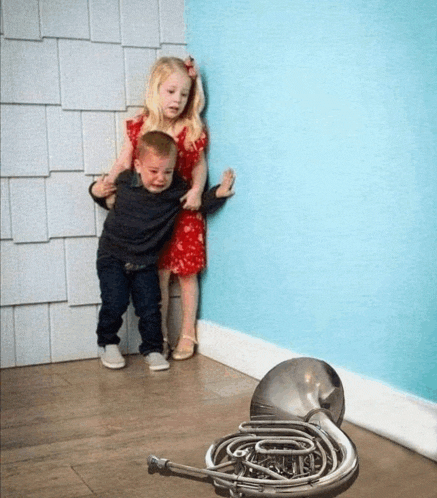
192 339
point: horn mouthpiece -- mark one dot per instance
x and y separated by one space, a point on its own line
155 463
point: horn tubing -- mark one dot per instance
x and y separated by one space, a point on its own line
292 447
314 485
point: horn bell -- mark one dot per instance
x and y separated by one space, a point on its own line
309 392
292 389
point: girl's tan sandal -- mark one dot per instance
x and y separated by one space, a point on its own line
186 352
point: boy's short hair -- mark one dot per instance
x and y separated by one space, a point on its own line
162 143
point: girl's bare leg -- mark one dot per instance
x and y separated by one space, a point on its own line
164 282
190 300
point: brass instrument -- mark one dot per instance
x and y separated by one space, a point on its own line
292 446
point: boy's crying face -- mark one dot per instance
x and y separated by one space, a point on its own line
156 171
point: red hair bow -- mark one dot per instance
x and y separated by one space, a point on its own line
191 70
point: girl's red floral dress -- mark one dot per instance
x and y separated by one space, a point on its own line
185 254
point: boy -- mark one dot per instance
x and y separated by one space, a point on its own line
147 203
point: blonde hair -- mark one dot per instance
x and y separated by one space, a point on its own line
190 117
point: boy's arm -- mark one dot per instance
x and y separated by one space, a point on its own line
100 195
215 197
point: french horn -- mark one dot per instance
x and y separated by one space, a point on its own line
292 447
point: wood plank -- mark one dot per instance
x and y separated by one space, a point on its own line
28 481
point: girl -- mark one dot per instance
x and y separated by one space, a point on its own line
174 101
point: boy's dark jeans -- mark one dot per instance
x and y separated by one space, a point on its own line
117 284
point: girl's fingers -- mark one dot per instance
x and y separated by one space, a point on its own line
228 179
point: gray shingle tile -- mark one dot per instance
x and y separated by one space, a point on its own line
92 76
171 16
32 343
138 63
69 206
64 132
32 273
65 19
82 281
5 210
105 21
24 141
98 141
139 23
7 336
30 72
170 50
21 19
73 332
29 212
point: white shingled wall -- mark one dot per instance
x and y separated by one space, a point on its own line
71 72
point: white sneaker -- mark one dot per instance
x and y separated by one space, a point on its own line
157 362
111 357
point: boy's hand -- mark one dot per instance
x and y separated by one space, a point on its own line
192 200
225 189
103 188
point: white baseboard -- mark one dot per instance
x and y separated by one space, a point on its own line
408 420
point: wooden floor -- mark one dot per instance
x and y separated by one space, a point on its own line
79 430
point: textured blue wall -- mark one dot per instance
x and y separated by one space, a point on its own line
328 112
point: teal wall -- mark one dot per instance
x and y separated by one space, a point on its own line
328 112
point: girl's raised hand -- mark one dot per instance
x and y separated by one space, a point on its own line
103 188
225 189
192 200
